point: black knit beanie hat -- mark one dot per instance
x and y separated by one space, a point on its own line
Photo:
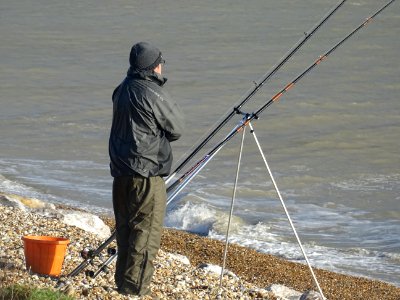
144 56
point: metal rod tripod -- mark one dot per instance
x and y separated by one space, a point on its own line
282 202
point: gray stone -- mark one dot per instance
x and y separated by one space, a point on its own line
283 292
311 295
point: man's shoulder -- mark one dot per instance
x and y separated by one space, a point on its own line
143 84
149 90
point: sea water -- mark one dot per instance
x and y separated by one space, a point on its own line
332 142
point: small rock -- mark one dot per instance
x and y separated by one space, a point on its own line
181 258
283 292
85 292
311 295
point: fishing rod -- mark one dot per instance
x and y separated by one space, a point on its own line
267 76
189 175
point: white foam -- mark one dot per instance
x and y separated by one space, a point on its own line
201 219
13 187
194 218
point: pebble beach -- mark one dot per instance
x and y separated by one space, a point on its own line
186 267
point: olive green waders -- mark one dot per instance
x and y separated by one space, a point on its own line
139 208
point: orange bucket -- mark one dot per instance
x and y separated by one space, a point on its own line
45 254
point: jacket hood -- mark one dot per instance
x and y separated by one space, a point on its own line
147 75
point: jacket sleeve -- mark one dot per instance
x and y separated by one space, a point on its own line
169 116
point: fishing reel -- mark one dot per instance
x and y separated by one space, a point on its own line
104 267
93 274
90 253
111 251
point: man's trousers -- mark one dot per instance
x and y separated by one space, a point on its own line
139 209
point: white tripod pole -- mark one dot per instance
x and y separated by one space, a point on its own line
286 211
231 210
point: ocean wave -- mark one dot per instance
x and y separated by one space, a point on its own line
13 187
201 219
270 239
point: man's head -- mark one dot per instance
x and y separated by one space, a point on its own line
145 56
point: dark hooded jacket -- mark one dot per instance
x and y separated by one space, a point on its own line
145 121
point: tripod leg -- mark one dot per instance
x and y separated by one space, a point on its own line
231 210
286 211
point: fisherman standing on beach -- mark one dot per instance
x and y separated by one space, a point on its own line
145 121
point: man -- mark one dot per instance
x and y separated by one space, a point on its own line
145 121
